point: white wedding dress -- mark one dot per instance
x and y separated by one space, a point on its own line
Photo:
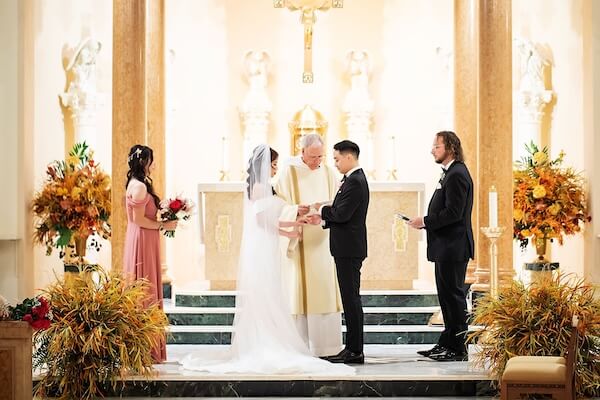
265 338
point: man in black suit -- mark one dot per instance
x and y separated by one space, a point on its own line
450 244
346 218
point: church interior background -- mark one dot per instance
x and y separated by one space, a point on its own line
201 81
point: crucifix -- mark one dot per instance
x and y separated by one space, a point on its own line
308 8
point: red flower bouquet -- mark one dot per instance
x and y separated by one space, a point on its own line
36 311
175 209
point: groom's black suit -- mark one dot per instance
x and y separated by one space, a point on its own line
346 218
450 245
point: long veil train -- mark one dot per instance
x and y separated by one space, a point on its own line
265 338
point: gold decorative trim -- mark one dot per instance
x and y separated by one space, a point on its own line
304 304
399 235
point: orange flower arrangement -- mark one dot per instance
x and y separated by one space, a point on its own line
75 201
548 200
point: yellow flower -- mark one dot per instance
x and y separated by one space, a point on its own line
73 160
61 191
554 209
518 215
75 193
526 232
540 157
539 191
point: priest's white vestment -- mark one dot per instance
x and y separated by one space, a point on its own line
309 271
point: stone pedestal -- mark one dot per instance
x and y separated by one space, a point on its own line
393 247
535 272
15 360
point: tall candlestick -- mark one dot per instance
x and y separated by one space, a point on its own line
493 208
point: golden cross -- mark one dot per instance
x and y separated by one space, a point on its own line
308 8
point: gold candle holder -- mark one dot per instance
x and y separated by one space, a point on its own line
493 233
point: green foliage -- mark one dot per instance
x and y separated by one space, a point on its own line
20 310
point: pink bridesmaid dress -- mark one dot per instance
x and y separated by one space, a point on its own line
142 258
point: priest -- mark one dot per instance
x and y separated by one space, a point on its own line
309 271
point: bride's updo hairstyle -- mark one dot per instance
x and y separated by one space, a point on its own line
139 158
255 166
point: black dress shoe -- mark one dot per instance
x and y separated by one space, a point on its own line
450 355
348 358
437 349
338 355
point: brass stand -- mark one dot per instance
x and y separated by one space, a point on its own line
493 234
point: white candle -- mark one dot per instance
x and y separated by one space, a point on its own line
493 208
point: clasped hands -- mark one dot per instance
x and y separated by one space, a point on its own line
305 216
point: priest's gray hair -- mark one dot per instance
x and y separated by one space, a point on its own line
310 140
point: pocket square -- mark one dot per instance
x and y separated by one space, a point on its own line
439 185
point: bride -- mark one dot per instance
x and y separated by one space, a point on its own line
265 339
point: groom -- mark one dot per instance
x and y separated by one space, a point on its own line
348 243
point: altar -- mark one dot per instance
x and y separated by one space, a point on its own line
392 263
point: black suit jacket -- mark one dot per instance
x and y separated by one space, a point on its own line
346 217
448 220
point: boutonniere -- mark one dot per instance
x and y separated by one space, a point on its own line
441 180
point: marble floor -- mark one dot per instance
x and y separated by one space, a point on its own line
383 362
389 370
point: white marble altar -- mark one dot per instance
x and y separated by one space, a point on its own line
393 248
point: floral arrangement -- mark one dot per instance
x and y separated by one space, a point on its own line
536 320
174 210
35 310
548 200
74 202
103 330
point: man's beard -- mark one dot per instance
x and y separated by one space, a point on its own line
442 158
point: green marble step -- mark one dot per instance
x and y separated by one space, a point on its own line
388 334
370 298
373 315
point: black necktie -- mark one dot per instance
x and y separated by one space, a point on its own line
443 174
343 179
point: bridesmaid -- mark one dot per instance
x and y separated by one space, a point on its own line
142 241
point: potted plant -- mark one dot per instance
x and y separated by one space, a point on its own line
73 204
101 332
536 320
548 202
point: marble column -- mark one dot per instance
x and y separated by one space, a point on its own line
138 101
483 115
465 101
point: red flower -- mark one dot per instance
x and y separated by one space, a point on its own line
40 324
28 318
176 205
